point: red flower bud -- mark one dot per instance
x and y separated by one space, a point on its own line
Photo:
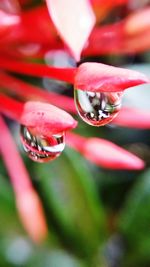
104 153
28 203
45 119
31 215
97 77
133 118
109 155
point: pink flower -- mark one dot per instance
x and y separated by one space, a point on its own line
97 77
42 114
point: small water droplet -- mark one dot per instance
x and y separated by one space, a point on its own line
40 148
97 108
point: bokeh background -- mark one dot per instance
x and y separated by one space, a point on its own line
96 217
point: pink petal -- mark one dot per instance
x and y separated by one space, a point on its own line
99 77
28 203
31 214
104 153
137 22
133 118
10 6
46 119
109 155
7 20
23 33
128 36
74 20
10 107
106 39
98 3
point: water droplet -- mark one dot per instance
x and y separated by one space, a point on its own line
97 108
41 148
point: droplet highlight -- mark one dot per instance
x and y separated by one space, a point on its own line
41 148
97 108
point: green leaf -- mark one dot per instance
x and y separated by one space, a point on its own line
134 222
7 207
72 199
54 258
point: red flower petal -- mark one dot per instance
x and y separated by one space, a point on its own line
112 3
104 153
32 215
7 20
38 70
99 77
10 6
137 44
130 35
23 32
106 39
138 22
74 20
109 155
46 119
10 107
133 118
45 32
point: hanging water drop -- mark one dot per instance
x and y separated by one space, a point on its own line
40 148
97 108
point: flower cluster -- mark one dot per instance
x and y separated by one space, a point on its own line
26 35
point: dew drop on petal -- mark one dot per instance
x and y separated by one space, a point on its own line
41 148
97 108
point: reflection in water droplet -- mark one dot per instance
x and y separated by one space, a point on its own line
97 108
40 148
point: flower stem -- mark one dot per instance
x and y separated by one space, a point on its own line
10 107
31 92
45 119
38 70
18 173
27 200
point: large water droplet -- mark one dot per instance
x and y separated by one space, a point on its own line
97 108
41 148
